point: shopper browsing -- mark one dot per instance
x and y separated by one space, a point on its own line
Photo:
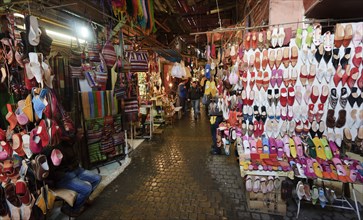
182 95
194 96
69 175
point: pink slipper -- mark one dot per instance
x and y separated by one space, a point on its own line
273 77
298 145
279 77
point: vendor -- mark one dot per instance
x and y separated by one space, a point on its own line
69 175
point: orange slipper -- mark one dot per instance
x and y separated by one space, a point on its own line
339 35
259 80
266 81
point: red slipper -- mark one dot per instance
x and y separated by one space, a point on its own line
259 80
252 80
261 127
244 79
320 112
257 60
291 96
314 94
353 77
283 97
338 76
360 81
357 58
244 97
311 113
346 74
266 81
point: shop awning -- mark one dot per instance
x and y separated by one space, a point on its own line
169 54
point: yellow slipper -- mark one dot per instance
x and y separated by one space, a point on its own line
292 148
213 88
319 148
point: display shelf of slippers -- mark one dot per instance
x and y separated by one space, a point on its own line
293 90
323 193
264 194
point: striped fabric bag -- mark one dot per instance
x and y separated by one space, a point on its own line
139 61
109 54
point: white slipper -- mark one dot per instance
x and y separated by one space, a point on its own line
48 76
300 190
270 184
35 66
263 185
249 183
277 183
256 184
34 31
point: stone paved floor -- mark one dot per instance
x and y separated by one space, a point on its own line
175 177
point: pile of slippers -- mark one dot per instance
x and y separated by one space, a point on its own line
262 184
315 194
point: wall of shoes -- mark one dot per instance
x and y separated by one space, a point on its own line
301 103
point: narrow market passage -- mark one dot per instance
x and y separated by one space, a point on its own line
175 177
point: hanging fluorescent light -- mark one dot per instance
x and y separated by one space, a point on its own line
64 36
18 15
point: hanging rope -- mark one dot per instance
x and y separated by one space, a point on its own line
219 17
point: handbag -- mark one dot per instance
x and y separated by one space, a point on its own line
138 60
109 54
76 72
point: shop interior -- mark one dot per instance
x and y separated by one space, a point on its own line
283 93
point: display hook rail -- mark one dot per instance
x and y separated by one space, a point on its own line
220 30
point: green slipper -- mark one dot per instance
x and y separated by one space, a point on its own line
312 150
327 150
298 38
309 37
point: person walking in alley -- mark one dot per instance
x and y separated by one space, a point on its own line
182 94
194 96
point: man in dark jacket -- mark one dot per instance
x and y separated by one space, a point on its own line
194 96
